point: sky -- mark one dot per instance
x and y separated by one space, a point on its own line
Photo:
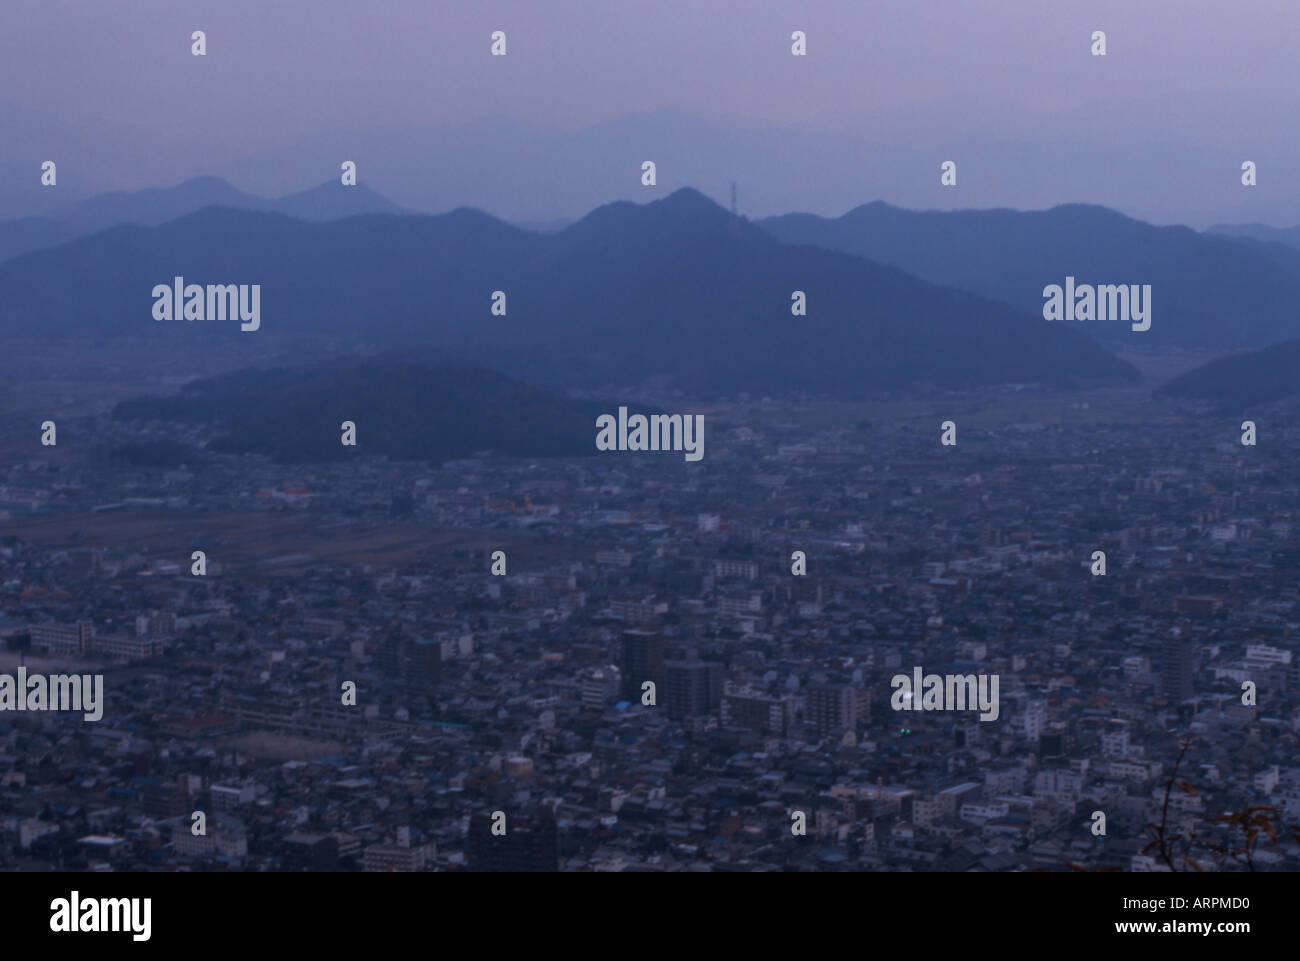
1187 90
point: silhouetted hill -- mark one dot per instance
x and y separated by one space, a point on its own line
31 233
680 286
676 288
153 206
1241 380
1282 246
1207 291
332 201
402 409
149 208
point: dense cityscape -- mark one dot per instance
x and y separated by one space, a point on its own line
497 621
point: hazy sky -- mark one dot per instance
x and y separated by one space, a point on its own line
111 84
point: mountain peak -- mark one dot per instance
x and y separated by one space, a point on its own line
873 206
333 201
684 209
634 292
204 182
688 198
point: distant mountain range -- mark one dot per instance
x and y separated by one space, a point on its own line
403 409
149 208
1289 236
1207 291
1242 380
540 169
545 226
678 289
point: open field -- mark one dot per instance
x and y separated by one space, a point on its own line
269 543
267 745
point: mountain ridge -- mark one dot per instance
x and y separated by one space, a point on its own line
1197 280
402 407
155 206
676 288
1242 380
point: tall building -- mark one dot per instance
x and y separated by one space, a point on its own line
864 703
159 798
309 852
831 708
530 843
1032 719
748 708
388 653
156 624
415 665
1115 740
1176 668
692 688
642 660
424 664
600 687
